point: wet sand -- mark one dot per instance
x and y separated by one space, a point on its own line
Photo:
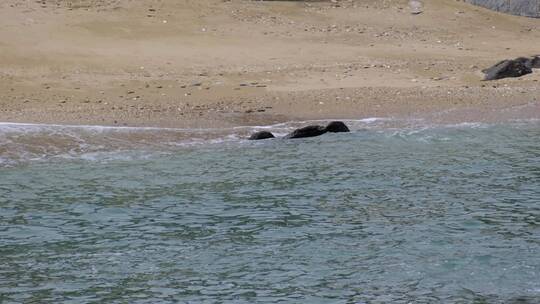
214 63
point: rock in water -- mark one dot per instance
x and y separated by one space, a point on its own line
309 131
509 68
261 135
416 7
337 127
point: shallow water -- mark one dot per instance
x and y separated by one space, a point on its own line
440 214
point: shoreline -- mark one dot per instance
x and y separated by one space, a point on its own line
23 143
497 111
501 100
380 123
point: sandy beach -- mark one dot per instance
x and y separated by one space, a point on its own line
216 63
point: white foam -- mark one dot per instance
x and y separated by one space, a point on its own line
468 125
99 128
373 119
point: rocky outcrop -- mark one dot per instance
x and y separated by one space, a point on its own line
527 8
512 68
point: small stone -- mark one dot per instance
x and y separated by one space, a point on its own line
416 7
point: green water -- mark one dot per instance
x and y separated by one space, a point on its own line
435 215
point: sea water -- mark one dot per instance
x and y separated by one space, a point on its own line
409 214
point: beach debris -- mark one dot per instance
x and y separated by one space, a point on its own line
512 68
416 7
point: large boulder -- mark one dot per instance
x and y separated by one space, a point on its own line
509 68
261 135
527 8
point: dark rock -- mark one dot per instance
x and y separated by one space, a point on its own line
535 62
309 131
337 127
509 68
261 135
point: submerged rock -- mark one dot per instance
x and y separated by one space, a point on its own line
261 135
509 68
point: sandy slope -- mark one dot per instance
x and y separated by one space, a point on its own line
220 63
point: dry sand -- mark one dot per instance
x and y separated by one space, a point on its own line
214 63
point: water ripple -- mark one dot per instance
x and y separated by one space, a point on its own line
440 215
